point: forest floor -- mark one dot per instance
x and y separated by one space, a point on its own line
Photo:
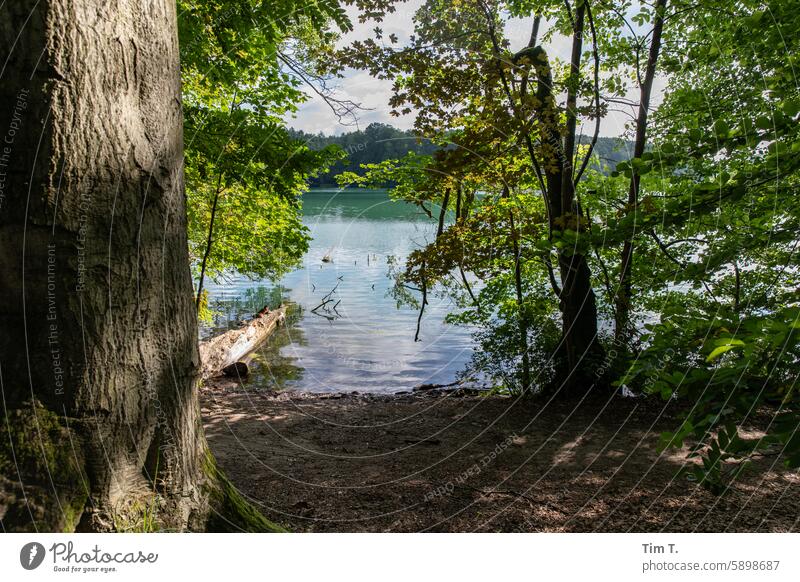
452 463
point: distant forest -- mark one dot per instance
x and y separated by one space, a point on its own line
380 141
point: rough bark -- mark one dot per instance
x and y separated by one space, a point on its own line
98 353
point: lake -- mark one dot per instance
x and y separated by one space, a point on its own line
366 344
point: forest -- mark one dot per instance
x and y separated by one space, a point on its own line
380 142
566 300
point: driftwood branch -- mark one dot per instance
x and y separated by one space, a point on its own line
233 345
326 301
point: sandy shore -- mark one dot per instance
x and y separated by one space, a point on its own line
443 462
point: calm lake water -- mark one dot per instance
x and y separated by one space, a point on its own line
367 344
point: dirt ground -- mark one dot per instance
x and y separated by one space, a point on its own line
459 463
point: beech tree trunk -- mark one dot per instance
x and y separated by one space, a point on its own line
98 351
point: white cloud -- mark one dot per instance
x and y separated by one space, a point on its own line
359 86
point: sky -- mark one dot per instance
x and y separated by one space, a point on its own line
315 116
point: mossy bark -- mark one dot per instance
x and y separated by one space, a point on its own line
230 512
98 351
35 444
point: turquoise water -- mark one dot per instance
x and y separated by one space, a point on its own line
367 343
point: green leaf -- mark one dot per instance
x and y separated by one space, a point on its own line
721 128
723 348
764 122
791 107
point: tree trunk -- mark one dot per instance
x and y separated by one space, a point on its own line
578 301
209 242
522 311
98 355
443 212
579 350
210 238
622 301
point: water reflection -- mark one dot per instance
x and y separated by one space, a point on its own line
367 342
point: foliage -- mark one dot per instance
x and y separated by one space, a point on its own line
728 150
503 119
256 176
711 225
693 239
380 142
243 66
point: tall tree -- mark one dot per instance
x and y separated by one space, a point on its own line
622 331
98 353
518 115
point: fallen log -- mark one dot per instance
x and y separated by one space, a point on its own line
228 348
237 370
